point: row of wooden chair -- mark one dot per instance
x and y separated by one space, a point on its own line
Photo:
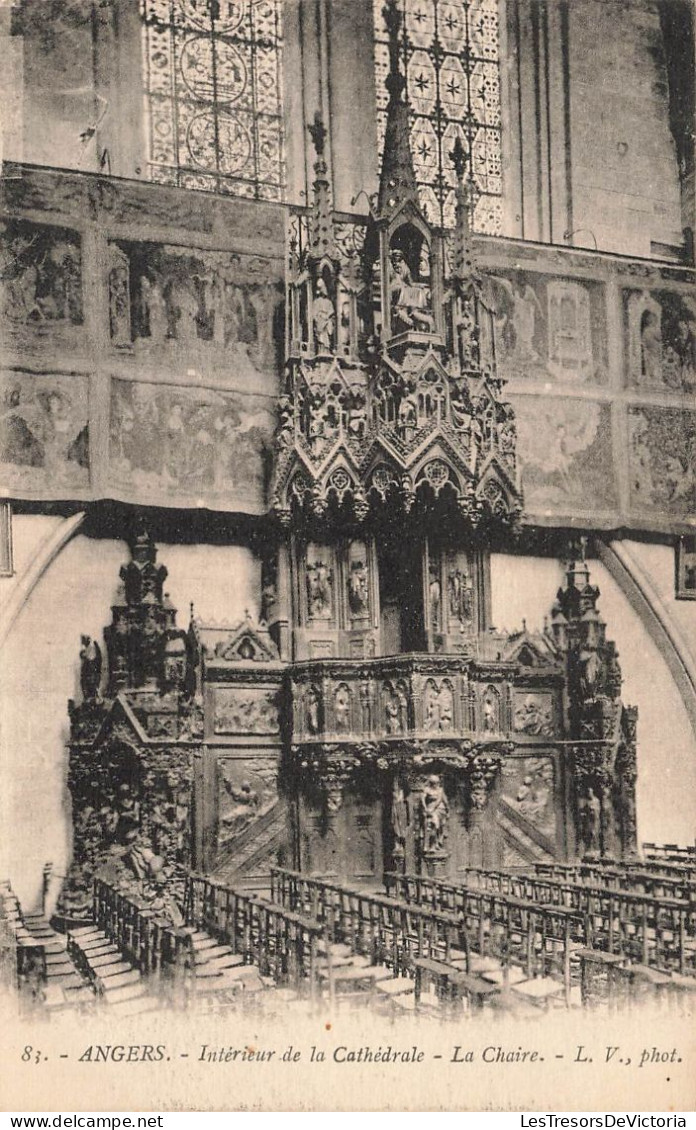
388 931
672 853
663 882
653 932
283 944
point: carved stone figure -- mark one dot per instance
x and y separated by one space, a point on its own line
491 721
434 815
245 802
312 710
155 314
319 590
324 319
186 307
395 709
526 307
399 818
590 820
533 716
650 349
460 597
435 595
358 599
90 669
411 302
342 709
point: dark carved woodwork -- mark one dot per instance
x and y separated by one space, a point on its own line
605 730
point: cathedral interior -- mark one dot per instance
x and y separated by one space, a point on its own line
348 503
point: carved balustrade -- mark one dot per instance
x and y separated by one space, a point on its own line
418 696
144 939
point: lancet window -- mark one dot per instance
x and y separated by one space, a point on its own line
450 57
213 80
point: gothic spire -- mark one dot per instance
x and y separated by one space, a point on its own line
398 179
463 263
321 232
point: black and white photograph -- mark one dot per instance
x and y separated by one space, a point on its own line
348 555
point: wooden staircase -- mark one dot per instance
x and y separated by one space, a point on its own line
45 969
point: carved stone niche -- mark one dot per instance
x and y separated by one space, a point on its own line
452 600
41 272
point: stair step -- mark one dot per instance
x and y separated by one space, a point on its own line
135 1006
100 951
395 987
112 969
101 960
98 944
217 951
230 961
81 931
118 980
338 961
220 984
66 980
57 970
132 992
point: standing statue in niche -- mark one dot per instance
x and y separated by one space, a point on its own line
589 813
342 709
434 815
324 319
119 305
435 593
399 819
187 312
312 711
524 322
319 589
357 589
90 669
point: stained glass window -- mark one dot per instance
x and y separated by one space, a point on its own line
450 55
213 95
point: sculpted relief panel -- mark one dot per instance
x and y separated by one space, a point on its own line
179 442
246 792
527 791
533 713
44 433
245 710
